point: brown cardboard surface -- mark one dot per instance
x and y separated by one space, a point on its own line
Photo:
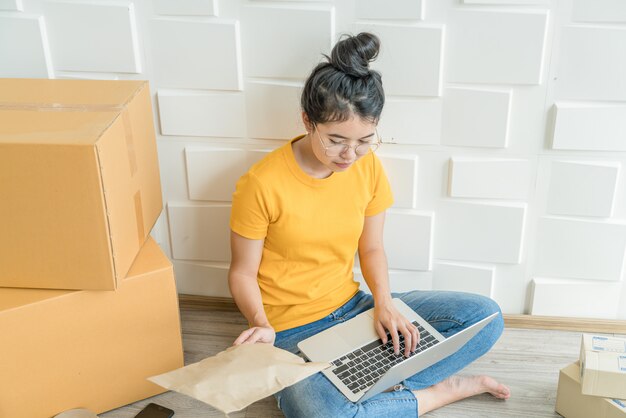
603 366
89 349
79 181
24 91
571 403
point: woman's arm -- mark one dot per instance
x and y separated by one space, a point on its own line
374 268
242 281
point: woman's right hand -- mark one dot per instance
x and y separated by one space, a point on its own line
256 335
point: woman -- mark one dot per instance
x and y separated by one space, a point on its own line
298 218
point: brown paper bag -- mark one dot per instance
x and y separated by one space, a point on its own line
239 376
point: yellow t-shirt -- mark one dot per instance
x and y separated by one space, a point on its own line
311 229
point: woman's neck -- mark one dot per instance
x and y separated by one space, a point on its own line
307 160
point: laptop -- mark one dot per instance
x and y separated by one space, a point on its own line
361 366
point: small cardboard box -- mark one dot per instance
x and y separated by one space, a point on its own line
603 366
90 349
79 181
571 403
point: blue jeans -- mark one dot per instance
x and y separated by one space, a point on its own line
447 312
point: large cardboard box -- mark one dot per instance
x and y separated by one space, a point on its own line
79 181
91 349
571 403
603 366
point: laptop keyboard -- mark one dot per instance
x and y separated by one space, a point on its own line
361 368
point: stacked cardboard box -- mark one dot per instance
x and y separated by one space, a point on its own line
88 304
596 385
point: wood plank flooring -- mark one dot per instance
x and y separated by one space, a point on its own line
526 360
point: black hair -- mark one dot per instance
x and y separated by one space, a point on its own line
344 85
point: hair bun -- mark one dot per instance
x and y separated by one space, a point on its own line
352 54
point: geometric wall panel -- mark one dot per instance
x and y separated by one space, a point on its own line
199 232
582 188
273 110
14 5
285 42
196 54
463 278
201 279
590 127
409 71
408 239
219 114
475 118
498 2
411 121
185 8
510 46
402 174
397 9
479 232
607 11
93 37
580 249
489 178
575 298
592 64
30 57
212 173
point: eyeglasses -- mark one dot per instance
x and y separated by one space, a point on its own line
336 149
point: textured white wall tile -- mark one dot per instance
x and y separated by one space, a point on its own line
201 279
402 174
411 121
401 280
212 173
196 54
93 37
479 232
575 298
409 71
186 7
489 178
408 239
498 2
579 249
599 11
397 9
15 5
582 189
495 47
475 118
285 42
273 110
221 114
591 64
590 127
199 232
463 278
24 47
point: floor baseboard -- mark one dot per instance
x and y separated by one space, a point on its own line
608 326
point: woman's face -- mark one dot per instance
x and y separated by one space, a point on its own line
329 142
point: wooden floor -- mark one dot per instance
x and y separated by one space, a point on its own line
528 361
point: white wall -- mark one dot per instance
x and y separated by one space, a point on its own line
507 118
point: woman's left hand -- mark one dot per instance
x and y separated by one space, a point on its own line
387 317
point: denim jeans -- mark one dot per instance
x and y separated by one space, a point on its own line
447 312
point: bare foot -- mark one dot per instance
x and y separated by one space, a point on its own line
456 388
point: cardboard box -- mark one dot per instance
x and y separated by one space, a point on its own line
603 366
79 181
571 403
89 349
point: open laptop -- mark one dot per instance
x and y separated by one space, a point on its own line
361 366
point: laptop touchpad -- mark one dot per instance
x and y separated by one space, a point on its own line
360 330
